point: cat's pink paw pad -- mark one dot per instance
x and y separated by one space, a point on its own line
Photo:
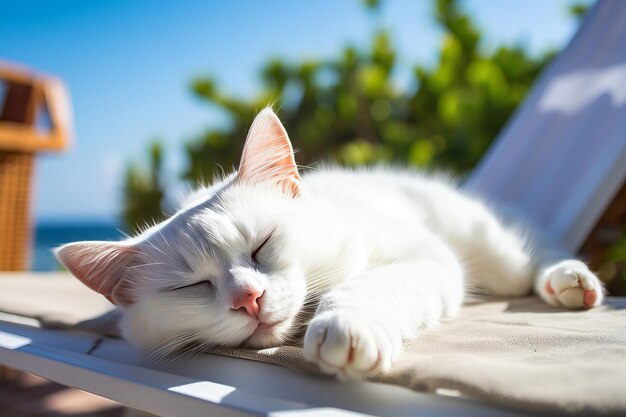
573 286
349 347
590 298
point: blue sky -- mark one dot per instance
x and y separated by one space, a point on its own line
129 64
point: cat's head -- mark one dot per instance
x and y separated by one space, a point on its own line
227 269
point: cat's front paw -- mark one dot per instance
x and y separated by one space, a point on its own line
571 284
350 347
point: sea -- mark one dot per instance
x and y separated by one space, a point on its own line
52 234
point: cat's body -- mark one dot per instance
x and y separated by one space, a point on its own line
360 259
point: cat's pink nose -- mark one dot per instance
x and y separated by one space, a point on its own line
248 299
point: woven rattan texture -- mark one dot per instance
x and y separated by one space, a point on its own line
15 229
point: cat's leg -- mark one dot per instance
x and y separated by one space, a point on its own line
496 258
500 261
359 326
569 284
562 280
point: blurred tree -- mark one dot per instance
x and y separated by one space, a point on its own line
349 109
613 269
143 192
578 10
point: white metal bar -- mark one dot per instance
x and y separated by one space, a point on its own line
211 384
146 389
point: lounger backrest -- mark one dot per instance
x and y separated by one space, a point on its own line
562 157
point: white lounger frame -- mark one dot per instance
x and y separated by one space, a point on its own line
208 385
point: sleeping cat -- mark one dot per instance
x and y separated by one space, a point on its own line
356 260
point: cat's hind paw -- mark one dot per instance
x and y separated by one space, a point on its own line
570 284
349 347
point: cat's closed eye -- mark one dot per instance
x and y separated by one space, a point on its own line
258 249
206 283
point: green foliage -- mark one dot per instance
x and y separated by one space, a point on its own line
371 4
578 10
143 192
350 110
613 269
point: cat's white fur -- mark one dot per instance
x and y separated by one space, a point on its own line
360 259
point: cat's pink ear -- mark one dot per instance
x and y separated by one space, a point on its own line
268 155
102 266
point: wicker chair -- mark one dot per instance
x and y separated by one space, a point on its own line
26 99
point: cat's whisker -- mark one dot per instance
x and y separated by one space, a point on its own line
153 246
165 345
167 352
144 265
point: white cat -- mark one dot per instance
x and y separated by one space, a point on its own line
359 260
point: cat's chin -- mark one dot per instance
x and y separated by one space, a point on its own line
268 335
